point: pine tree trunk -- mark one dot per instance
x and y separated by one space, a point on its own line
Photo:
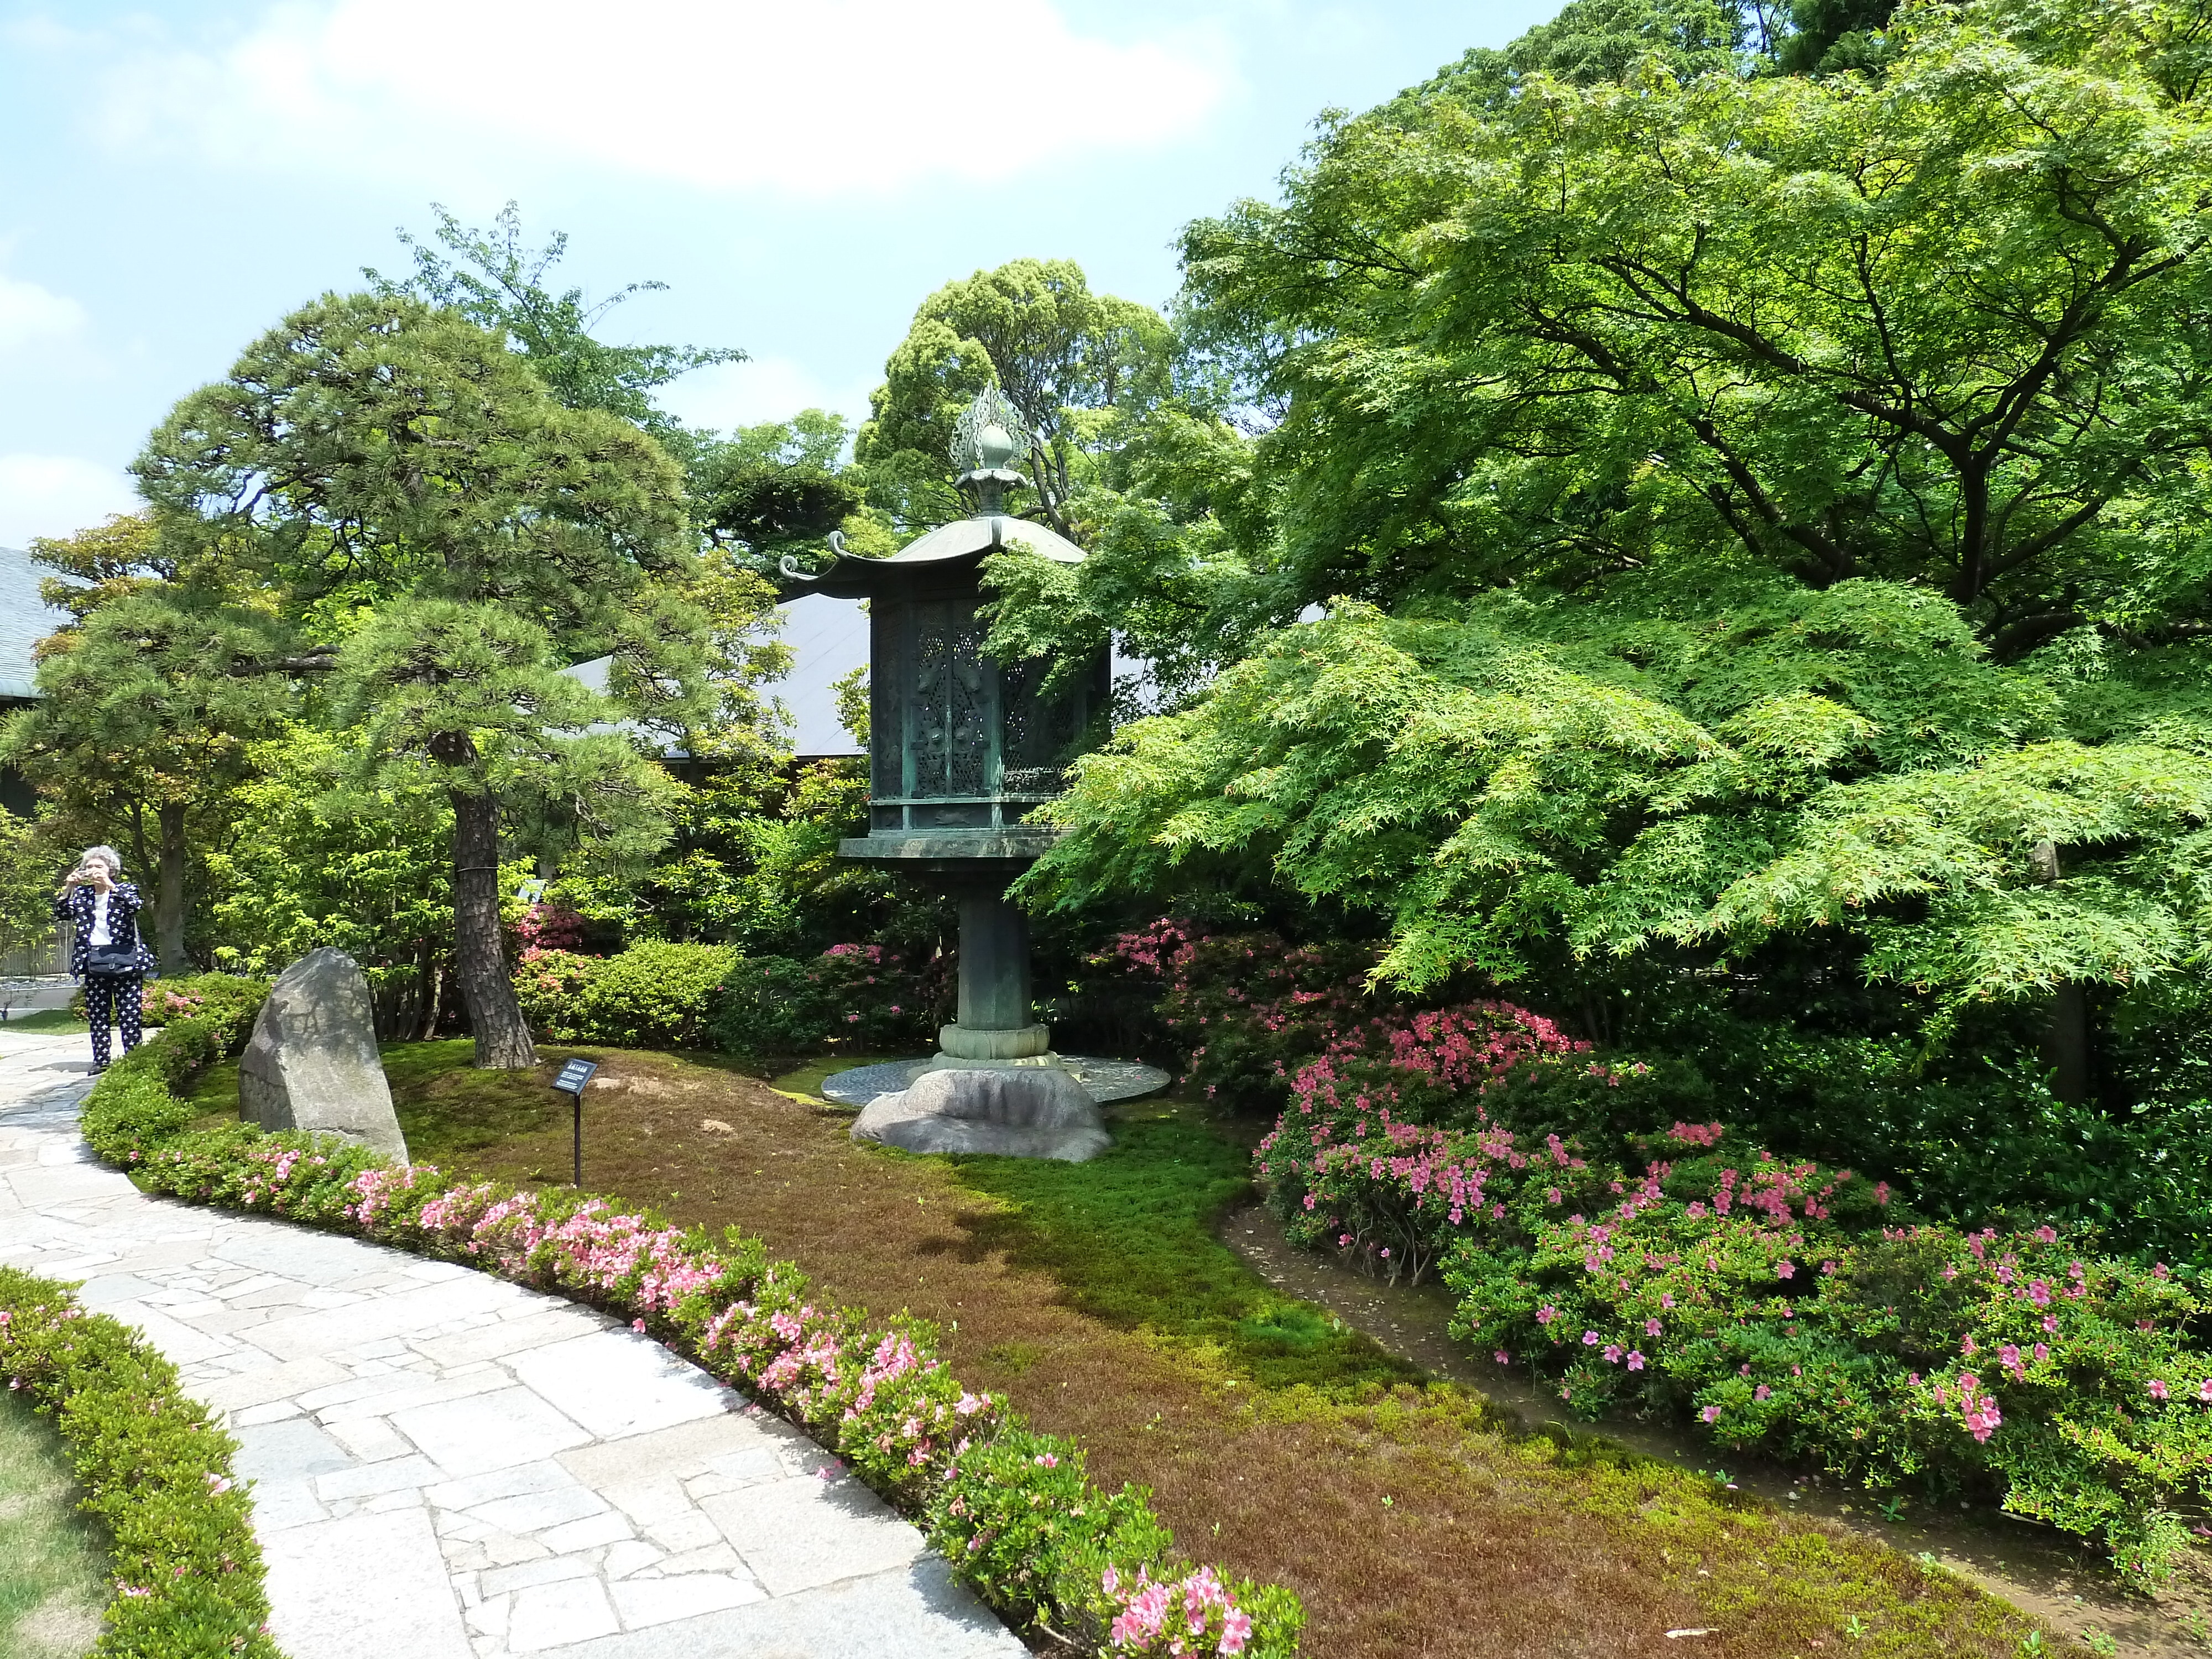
169 892
479 956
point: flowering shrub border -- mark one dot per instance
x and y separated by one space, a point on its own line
1013 1510
155 1471
1782 1306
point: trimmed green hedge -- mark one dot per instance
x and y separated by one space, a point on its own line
658 994
1012 1510
655 995
155 1471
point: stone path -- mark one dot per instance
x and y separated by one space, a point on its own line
450 1467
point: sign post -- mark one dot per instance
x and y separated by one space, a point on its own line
574 1076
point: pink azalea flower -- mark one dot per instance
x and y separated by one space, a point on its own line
1712 1413
1635 1362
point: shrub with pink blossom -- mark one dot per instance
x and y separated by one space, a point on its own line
1788 1307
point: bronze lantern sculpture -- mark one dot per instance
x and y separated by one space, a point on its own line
964 750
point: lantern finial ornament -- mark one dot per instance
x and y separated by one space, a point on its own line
990 435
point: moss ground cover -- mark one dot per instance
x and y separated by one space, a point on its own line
53 1563
1096 1297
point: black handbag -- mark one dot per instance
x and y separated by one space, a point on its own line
116 961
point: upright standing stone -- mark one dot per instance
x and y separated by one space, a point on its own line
312 1064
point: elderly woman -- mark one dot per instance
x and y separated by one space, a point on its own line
105 949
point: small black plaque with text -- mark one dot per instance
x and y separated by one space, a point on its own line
574 1075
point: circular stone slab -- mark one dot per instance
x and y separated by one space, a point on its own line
1104 1081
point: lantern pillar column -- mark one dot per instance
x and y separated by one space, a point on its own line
995 1019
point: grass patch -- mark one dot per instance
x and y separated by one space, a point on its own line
46 1019
53 1570
1129 1237
1275 1440
449 1110
806 1077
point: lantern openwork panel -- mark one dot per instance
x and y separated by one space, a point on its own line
963 742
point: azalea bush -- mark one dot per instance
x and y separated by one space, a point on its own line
1786 1306
875 1393
1638 1256
228 996
156 1473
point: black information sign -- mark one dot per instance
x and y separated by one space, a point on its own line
574 1076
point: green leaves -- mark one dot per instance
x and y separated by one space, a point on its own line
1945 328
1501 785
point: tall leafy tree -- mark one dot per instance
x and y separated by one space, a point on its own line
1759 517
448 538
1946 327
1077 365
318 855
489 276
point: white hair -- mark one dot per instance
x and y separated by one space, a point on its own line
106 855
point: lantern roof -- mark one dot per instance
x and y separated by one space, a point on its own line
989 435
851 576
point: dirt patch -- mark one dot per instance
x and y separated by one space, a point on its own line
2063 1584
60 1627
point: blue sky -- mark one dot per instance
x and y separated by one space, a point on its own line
801 174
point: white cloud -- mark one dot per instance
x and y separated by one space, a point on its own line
825 97
58 495
763 389
30 314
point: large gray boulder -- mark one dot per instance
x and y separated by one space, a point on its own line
312 1064
1013 1111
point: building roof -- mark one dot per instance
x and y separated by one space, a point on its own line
25 619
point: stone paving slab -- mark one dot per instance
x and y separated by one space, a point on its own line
446 1466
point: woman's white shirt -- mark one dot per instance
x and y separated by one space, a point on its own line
99 933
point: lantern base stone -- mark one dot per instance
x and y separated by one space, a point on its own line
1004 1110
972 1043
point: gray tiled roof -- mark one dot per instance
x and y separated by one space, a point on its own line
24 620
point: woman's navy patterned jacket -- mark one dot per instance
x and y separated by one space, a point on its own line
76 906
